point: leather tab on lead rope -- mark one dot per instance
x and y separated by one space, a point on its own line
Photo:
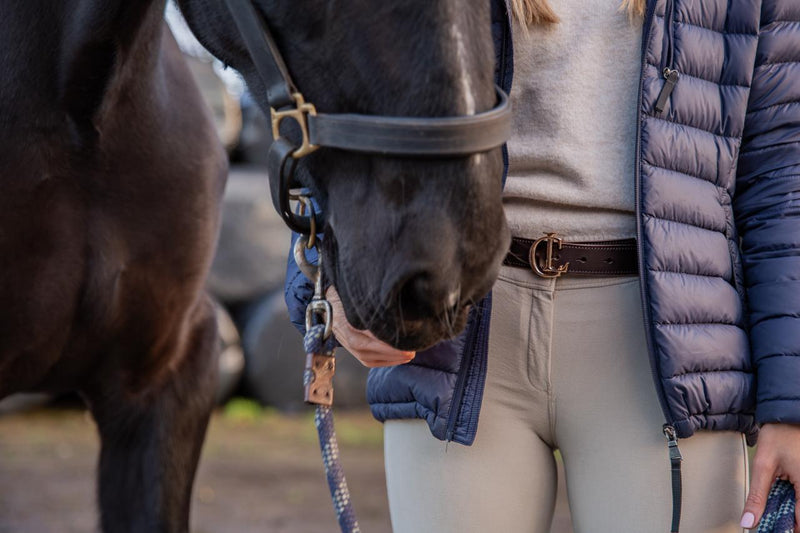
319 344
319 388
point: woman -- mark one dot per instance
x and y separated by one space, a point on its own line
635 123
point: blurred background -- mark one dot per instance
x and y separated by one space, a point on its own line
261 468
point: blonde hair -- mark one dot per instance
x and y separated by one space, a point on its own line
529 12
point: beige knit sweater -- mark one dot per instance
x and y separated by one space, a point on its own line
575 98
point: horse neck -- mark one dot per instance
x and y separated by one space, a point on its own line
65 59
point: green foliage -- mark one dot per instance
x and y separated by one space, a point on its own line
243 410
353 428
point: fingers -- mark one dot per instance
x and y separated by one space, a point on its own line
761 478
382 363
378 357
368 349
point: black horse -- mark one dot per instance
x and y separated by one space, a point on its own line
409 243
111 178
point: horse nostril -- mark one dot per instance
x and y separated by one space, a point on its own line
413 296
422 296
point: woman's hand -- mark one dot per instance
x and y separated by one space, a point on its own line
778 455
362 343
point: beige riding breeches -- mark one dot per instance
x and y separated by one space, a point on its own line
568 370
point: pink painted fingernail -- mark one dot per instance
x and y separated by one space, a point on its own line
748 520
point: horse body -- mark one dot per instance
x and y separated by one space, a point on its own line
111 178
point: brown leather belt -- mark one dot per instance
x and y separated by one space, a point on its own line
550 257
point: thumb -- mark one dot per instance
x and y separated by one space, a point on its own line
761 479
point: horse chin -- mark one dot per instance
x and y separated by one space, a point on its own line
419 335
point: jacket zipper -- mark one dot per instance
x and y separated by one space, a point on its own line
466 363
670 74
669 430
639 230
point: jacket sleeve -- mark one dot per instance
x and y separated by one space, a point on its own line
298 289
767 210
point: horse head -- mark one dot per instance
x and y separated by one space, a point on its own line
410 243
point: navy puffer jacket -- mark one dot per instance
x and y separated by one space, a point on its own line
718 203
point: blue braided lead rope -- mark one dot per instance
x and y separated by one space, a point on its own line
337 483
315 343
778 515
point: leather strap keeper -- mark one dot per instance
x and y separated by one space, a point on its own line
551 257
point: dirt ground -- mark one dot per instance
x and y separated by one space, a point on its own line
260 472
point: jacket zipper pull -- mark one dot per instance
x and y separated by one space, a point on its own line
675 459
671 77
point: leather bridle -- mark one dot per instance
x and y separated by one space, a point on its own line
370 134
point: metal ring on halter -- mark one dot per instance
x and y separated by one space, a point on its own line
312 236
303 196
308 269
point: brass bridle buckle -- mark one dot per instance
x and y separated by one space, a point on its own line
299 114
548 270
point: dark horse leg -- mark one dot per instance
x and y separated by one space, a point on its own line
111 176
151 441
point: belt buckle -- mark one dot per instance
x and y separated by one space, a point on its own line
548 270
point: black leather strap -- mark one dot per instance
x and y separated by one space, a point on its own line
677 496
280 166
675 460
408 136
263 52
603 258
